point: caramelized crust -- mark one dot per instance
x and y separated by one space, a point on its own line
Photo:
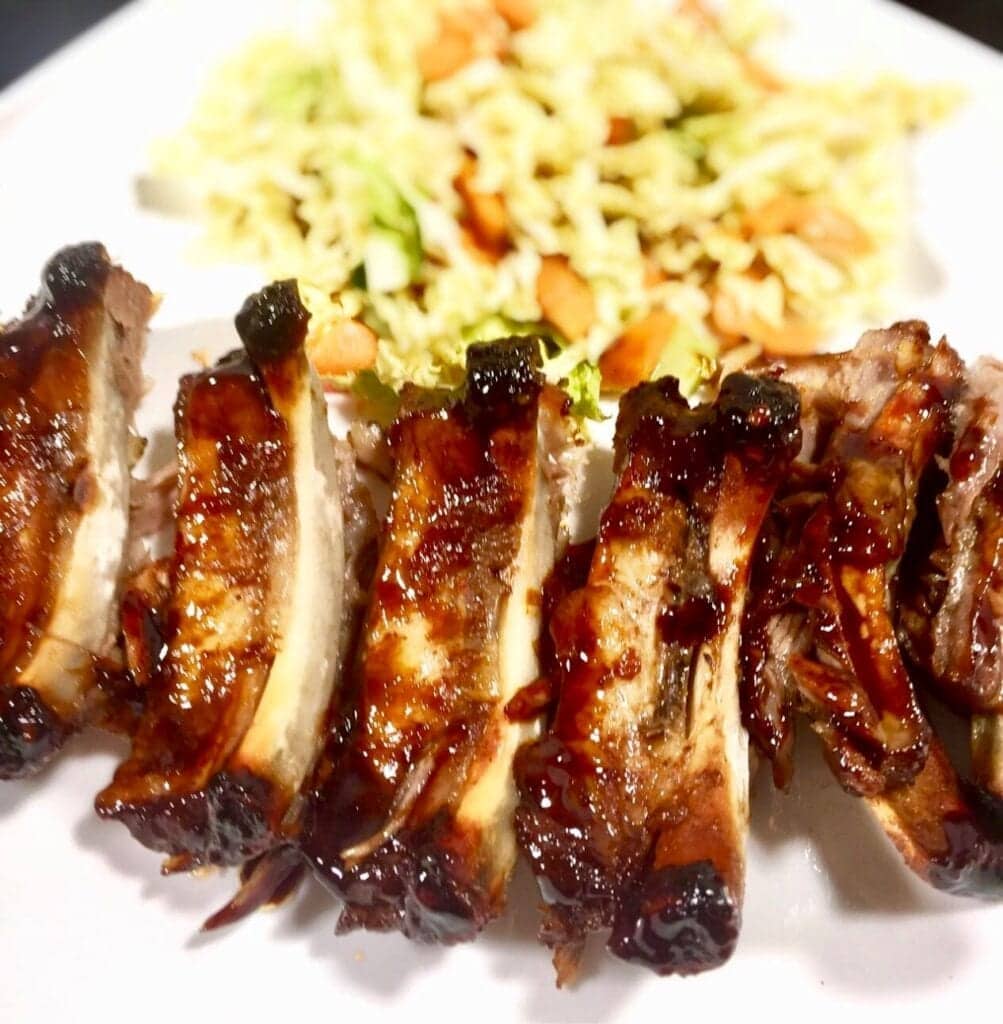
69 384
819 632
233 505
233 714
951 595
830 557
950 840
634 805
411 821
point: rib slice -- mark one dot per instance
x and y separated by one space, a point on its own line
70 381
830 555
818 632
411 819
952 608
634 805
235 714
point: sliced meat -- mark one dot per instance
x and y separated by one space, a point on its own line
952 602
273 876
411 820
70 381
634 805
949 839
818 631
831 554
235 715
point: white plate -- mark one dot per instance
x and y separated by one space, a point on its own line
90 931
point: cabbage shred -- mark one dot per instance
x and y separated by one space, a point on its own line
329 159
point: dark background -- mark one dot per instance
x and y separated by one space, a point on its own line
31 29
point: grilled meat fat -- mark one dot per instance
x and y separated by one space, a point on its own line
819 632
70 381
235 714
952 604
411 820
634 805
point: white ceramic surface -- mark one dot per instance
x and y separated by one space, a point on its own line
89 931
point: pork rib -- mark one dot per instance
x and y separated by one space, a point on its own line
412 817
70 381
235 715
819 630
830 557
952 605
634 805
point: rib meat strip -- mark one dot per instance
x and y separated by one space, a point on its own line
820 625
818 632
70 381
235 715
952 608
411 821
634 805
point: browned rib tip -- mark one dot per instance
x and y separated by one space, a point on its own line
224 823
683 920
272 323
503 373
76 273
30 732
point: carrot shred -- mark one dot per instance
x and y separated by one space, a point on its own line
565 298
345 346
654 274
463 36
792 338
634 355
831 232
621 130
486 215
518 14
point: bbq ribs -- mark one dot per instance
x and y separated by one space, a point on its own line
403 712
634 805
411 818
236 710
70 381
819 634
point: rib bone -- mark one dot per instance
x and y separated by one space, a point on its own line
69 385
634 806
412 820
235 716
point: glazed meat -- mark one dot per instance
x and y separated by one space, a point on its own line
236 709
820 626
819 630
634 805
270 878
952 606
411 822
70 381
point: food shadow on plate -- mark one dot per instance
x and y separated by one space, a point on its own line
381 964
852 921
84 745
518 957
384 965
194 897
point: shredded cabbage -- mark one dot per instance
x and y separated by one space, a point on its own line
329 158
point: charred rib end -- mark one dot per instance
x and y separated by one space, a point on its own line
272 323
76 274
503 374
226 823
417 889
30 732
683 920
266 881
972 864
